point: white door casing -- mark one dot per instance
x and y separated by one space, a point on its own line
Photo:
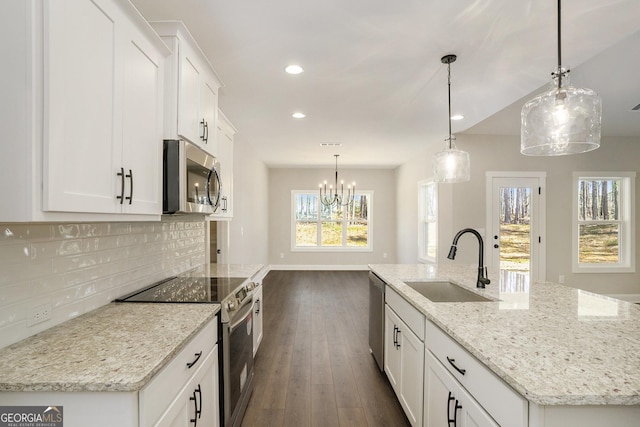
535 182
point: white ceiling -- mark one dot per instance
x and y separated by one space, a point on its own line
373 79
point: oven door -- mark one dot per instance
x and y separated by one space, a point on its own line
239 376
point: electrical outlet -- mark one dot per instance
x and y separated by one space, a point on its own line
561 278
38 314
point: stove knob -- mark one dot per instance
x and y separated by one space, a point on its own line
231 305
251 286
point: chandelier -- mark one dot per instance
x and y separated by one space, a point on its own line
563 120
451 165
331 197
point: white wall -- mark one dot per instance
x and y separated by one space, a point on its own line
249 229
502 153
77 267
282 181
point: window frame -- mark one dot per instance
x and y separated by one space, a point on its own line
626 244
319 220
424 221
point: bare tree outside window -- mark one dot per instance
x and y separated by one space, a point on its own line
320 226
599 232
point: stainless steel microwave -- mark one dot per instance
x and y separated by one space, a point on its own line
191 179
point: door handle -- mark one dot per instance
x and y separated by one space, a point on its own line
130 176
198 411
121 196
496 246
449 420
203 129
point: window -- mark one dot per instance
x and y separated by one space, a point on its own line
603 222
428 221
317 227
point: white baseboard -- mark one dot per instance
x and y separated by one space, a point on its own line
319 267
626 297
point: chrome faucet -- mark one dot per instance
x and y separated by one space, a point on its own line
482 270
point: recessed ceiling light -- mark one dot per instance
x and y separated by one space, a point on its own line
294 69
457 117
298 115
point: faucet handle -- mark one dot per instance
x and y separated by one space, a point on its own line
485 279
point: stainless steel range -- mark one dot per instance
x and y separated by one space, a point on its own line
235 296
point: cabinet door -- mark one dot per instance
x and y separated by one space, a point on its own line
81 156
446 403
190 78
142 125
225 157
437 396
209 113
411 373
391 349
257 319
198 400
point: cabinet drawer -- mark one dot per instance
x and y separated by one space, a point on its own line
409 314
162 390
199 394
505 405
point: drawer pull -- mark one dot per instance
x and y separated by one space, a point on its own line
452 363
190 365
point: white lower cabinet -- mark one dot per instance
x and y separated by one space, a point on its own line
446 403
197 403
486 400
185 392
404 358
165 401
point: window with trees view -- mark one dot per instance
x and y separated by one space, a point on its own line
320 227
603 237
428 221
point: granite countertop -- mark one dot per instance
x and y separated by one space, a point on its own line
554 344
118 347
225 270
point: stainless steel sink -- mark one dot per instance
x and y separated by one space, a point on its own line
445 292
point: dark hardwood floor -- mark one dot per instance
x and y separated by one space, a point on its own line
314 367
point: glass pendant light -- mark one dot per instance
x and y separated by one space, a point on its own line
563 120
451 165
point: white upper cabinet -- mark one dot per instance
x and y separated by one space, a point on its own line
87 138
226 133
191 89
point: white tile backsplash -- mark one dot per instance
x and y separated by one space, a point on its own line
79 267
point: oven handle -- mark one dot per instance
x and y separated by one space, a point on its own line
245 310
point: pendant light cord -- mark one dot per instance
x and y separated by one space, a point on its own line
449 90
560 72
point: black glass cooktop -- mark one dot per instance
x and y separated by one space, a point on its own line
187 289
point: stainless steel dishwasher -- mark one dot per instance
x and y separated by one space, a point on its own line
376 319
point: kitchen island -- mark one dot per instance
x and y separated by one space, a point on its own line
556 346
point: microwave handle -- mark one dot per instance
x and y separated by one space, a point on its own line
213 174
